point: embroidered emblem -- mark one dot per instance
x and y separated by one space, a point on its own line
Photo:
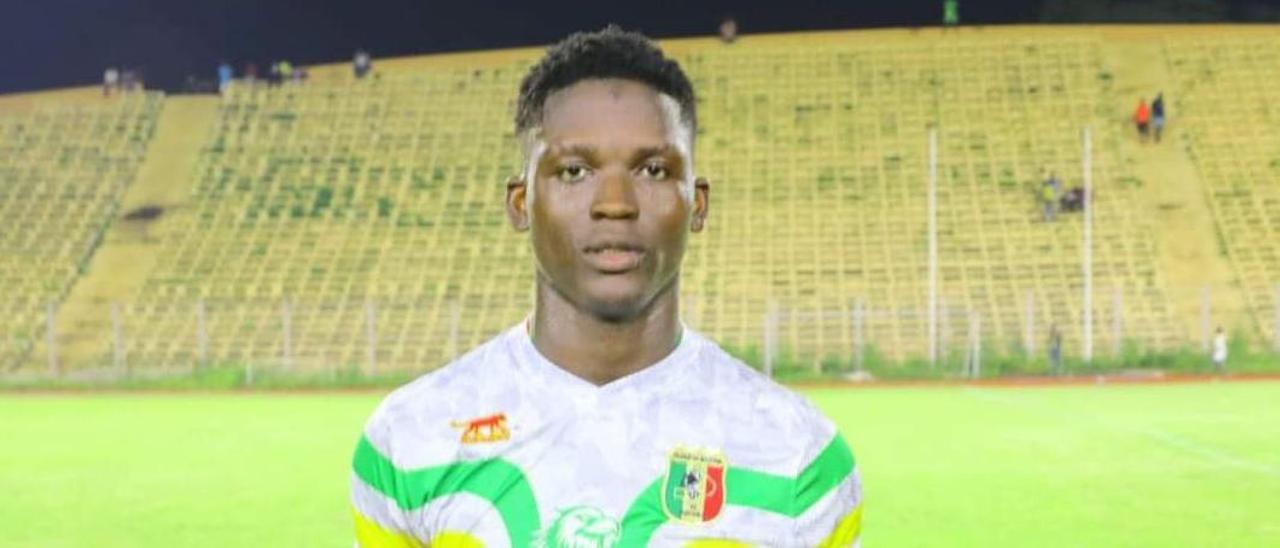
694 489
484 429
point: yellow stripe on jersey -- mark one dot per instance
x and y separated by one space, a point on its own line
846 531
371 535
453 539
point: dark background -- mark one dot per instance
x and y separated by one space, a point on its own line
55 43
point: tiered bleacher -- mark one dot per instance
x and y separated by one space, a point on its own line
339 203
821 154
1229 115
347 208
63 171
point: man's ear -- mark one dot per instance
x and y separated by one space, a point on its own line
701 203
517 198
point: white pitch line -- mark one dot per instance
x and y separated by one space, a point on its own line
1205 452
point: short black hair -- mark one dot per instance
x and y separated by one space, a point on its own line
608 53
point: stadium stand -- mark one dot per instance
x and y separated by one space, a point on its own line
64 169
1231 115
831 196
343 207
343 199
348 208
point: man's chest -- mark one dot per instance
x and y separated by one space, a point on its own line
567 478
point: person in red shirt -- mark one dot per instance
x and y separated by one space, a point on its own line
1142 118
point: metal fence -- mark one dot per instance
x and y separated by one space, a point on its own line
368 337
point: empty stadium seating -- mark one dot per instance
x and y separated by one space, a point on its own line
1230 111
828 186
341 206
63 171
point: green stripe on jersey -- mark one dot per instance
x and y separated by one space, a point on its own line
784 495
495 480
792 496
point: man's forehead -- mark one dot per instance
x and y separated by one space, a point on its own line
615 89
614 98
591 108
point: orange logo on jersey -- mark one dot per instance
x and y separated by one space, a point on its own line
484 429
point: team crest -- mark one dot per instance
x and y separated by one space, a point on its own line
694 489
484 429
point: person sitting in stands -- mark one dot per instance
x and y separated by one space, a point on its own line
1073 200
728 30
362 63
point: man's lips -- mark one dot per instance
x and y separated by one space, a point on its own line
613 258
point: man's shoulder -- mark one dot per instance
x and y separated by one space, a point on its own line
447 393
756 399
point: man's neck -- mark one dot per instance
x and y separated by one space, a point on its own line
600 351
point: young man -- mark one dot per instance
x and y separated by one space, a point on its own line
602 420
1220 351
1157 116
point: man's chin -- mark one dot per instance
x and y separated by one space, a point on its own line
615 302
616 308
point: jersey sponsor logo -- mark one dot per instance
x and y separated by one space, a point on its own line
488 429
694 488
580 527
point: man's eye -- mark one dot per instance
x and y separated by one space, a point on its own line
572 173
654 171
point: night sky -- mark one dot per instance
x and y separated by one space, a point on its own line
55 43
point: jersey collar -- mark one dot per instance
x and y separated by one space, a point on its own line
651 378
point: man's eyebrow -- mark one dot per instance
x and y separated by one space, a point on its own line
651 151
590 152
574 149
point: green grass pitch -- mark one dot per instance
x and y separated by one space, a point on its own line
1135 465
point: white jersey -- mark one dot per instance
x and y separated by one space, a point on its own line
1220 348
504 448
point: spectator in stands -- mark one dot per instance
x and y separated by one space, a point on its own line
1073 200
110 81
950 13
225 74
1055 350
273 74
129 80
1157 116
1142 119
728 30
285 69
361 64
1049 192
1220 351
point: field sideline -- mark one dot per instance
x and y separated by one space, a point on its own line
1160 464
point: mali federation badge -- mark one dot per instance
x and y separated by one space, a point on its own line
694 489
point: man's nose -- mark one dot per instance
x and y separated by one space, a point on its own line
615 197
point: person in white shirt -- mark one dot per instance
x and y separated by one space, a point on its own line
1220 351
602 420
110 80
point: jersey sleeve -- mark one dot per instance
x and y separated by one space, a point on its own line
828 497
375 494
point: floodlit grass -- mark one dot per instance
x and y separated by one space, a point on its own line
1138 465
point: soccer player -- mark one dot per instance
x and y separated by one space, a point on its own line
602 420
